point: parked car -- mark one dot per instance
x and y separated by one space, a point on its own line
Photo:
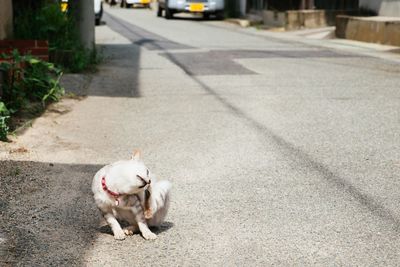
98 11
130 3
206 7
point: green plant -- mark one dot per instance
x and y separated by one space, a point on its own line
13 94
27 80
48 22
42 80
4 116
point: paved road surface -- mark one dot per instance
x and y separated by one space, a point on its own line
280 152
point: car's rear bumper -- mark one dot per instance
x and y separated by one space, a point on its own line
184 6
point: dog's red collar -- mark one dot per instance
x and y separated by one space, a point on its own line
105 188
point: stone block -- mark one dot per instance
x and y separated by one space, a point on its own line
298 19
393 33
292 20
274 18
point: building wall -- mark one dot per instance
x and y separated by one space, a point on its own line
389 8
6 19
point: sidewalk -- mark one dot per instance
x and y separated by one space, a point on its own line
47 214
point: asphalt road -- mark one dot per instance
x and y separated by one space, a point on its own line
280 152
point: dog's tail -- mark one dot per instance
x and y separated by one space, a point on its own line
160 198
160 195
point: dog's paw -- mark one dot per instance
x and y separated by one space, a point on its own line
119 235
149 235
148 214
130 230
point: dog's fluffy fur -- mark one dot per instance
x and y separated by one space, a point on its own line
142 201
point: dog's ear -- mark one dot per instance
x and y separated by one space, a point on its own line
136 155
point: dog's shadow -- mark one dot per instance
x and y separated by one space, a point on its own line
165 226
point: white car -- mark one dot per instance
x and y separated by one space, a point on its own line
205 7
129 3
98 11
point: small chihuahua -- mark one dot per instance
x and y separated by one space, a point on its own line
126 190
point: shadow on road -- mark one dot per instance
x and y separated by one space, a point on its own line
47 215
117 76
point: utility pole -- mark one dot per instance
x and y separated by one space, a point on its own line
6 19
83 11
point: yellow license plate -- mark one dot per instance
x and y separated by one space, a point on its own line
144 1
196 7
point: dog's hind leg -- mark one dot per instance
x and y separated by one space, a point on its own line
134 215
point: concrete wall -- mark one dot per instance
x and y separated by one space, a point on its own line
382 30
302 19
389 8
6 19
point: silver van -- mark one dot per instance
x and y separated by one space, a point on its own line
206 7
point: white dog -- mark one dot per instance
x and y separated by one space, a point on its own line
126 190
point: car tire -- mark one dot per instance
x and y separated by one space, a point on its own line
128 5
168 13
159 11
97 22
220 15
206 16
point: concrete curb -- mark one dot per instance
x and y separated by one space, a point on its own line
241 22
